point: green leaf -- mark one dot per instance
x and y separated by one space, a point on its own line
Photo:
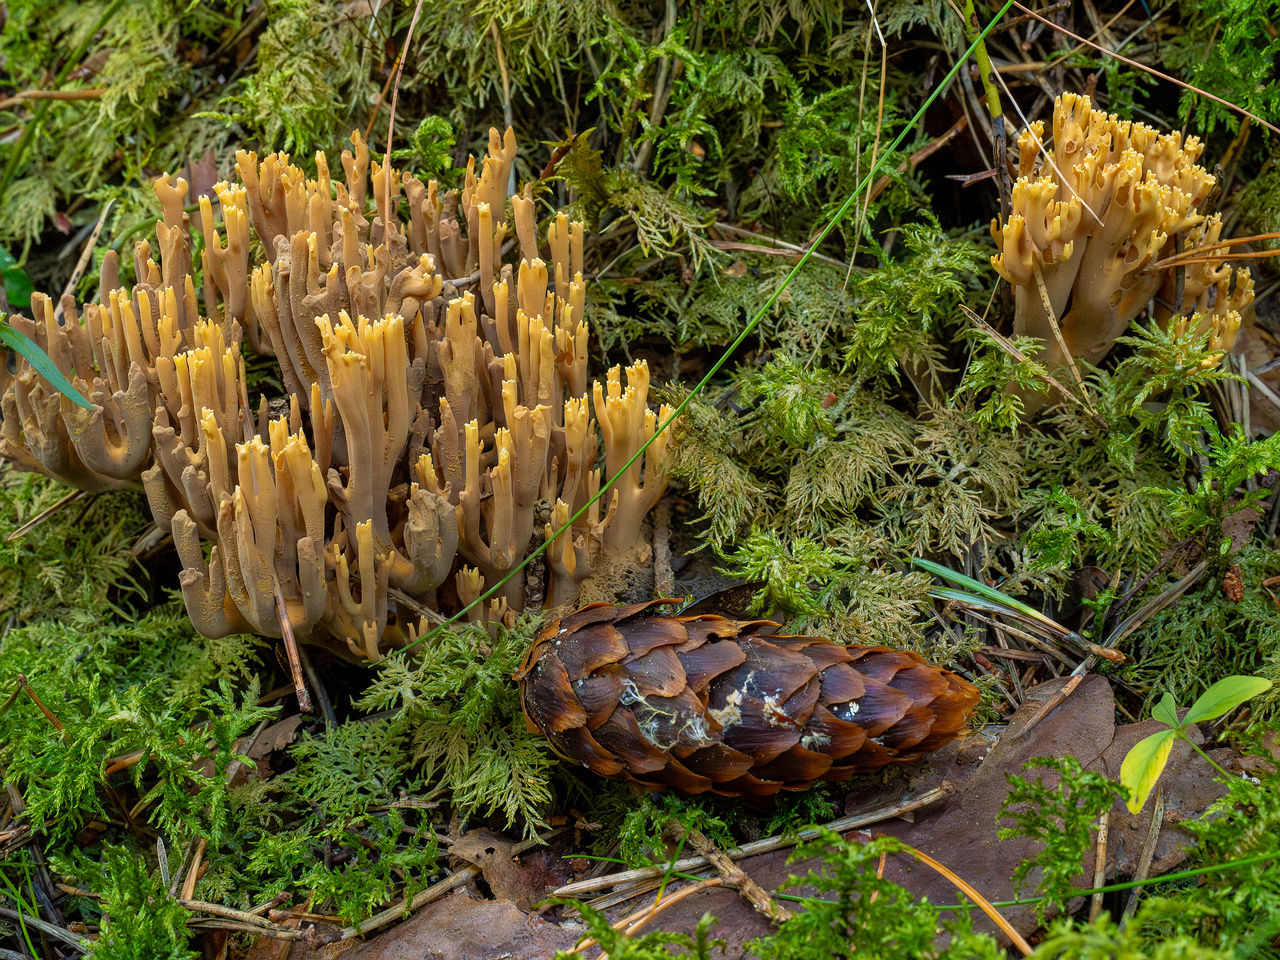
1224 696
17 285
1143 765
14 340
1166 711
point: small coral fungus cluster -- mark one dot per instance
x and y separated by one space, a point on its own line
437 425
1095 219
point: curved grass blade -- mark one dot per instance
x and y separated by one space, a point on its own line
1154 606
990 594
22 344
765 308
1041 625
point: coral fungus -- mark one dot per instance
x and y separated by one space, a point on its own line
1094 218
438 408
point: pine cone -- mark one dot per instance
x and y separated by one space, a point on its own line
709 705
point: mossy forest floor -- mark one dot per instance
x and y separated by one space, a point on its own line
164 797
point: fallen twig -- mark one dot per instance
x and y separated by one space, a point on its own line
435 891
86 257
88 93
52 929
752 849
1148 851
25 687
291 650
1100 865
45 514
1053 702
227 913
274 933
751 891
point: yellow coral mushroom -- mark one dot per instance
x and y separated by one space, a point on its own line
429 424
1092 218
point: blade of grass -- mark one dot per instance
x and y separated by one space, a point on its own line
19 343
990 593
1154 606
976 602
754 322
1130 885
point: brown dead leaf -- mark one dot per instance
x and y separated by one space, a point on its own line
268 948
507 878
1259 348
275 737
1239 527
960 832
457 927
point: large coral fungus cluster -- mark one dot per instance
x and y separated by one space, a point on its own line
438 423
1093 217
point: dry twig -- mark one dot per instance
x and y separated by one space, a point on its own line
752 849
751 891
1100 865
1148 852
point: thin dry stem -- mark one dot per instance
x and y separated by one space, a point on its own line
1021 357
291 650
1144 67
1057 330
983 903
45 514
631 924
1148 852
1100 865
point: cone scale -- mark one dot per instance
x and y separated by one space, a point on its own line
708 705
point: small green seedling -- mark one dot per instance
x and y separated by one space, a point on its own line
1146 761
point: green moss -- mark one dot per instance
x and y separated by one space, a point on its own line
1207 636
816 464
141 917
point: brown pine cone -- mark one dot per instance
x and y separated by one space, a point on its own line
705 704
